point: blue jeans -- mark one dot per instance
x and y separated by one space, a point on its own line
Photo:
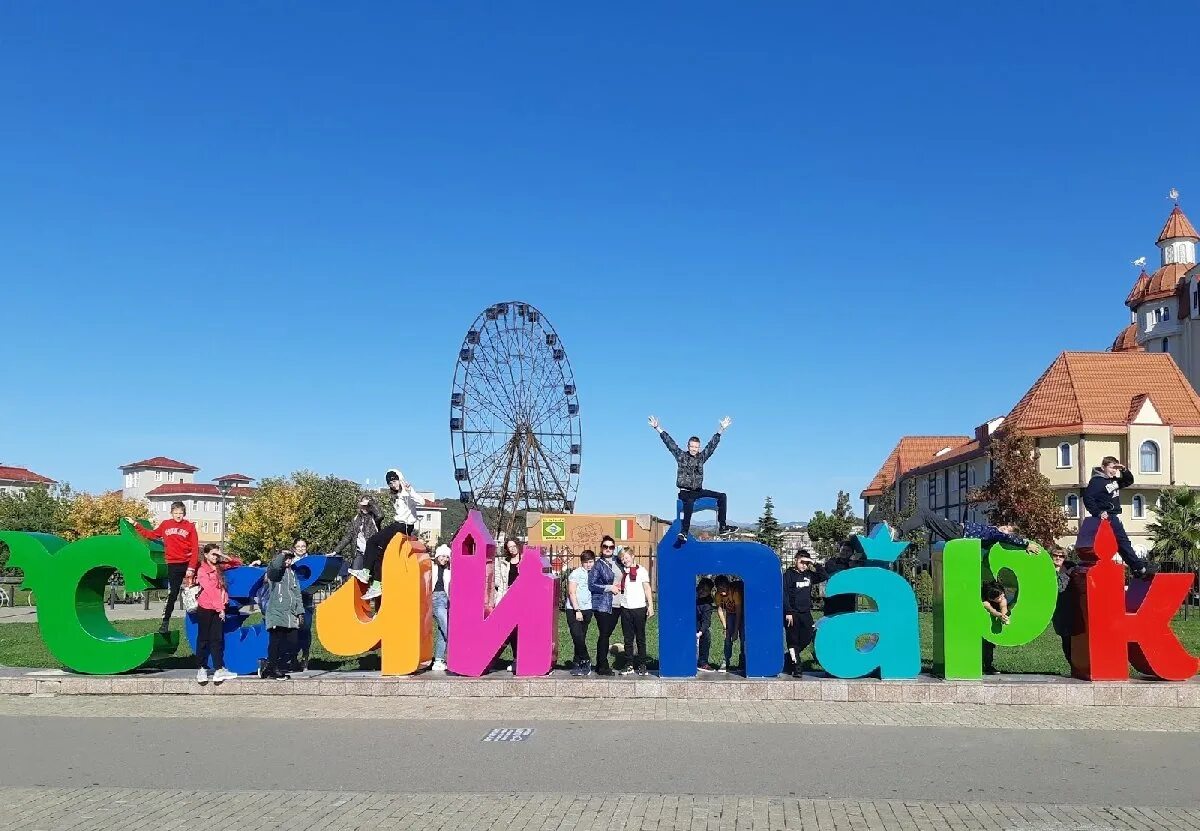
441 624
735 629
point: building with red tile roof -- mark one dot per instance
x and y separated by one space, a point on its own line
1164 306
1134 405
13 479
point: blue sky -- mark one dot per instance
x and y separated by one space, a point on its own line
251 236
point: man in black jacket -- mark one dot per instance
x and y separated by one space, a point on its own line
690 477
1103 499
797 605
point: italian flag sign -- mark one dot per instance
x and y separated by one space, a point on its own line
623 529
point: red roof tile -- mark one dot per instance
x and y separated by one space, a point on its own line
1127 340
195 489
1085 390
908 453
1177 227
1163 283
234 477
23 475
1139 289
162 463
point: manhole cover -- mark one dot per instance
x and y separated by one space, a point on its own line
508 734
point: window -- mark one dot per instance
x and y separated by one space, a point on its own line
1064 455
1139 507
216 527
204 527
971 477
129 480
1149 457
1164 345
1157 318
158 476
1166 313
1071 505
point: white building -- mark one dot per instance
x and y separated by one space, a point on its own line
16 479
161 481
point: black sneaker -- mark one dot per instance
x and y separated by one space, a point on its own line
729 530
680 539
641 670
604 671
990 671
1147 571
797 673
165 629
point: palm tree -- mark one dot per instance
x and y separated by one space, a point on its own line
1175 531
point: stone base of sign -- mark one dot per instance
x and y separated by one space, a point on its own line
1004 690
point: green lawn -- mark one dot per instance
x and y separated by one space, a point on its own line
21 646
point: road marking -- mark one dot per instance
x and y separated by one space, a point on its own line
509 734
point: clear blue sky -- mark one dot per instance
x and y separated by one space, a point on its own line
251 236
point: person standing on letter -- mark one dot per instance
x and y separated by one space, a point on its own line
1103 499
405 503
690 477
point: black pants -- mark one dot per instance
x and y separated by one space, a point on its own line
989 655
800 634
606 622
283 645
175 574
578 630
211 639
1066 645
377 543
938 525
1124 546
633 623
689 505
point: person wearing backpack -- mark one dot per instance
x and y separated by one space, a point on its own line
210 612
283 615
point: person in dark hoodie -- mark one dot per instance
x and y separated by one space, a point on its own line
847 557
798 581
364 526
405 503
690 477
1103 499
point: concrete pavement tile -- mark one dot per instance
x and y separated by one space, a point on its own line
834 691
1107 693
860 690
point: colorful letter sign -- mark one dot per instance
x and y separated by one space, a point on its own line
69 580
961 624
1125 627
476 636
401 628
897 654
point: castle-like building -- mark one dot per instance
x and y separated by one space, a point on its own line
1164 306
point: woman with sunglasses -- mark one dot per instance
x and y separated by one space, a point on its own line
602 582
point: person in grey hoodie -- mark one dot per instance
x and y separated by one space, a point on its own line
1103 499
690 477
405 504
284 615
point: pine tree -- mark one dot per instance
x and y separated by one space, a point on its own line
827 531
1018 493
769 532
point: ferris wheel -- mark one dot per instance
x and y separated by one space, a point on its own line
514 416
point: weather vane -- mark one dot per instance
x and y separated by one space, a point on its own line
1140 262
1173 195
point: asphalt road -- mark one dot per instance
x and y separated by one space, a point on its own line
1093 767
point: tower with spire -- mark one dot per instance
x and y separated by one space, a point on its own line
1165 306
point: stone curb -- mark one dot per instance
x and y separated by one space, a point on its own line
918 691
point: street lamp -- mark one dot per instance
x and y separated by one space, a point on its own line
223 488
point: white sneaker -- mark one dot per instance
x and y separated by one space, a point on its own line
724 667
223 675
512 668
361 575
439 666
375 591
202 676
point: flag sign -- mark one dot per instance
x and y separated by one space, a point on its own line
624 529
554 529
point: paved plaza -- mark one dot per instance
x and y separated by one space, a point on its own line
350 762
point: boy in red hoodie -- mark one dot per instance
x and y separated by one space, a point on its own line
182 550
